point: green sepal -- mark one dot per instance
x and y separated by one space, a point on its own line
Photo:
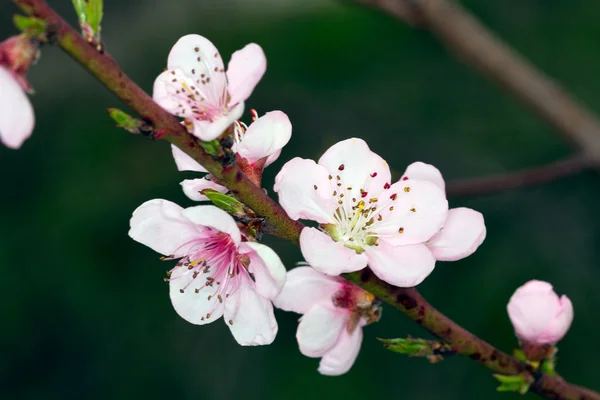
125 120
31 26
225 202
513 383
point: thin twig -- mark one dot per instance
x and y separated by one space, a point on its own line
409 301
514 180
464 35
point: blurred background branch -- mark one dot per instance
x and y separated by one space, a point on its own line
472 42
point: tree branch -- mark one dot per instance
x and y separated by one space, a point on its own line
518 179
464 35
409 301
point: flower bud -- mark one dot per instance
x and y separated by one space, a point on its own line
17 53
539 316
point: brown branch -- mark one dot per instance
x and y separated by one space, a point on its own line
482 50
518 179
409 301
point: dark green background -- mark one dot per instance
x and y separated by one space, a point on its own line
85 313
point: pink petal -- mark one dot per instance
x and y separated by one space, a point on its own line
538 315
193 187
304 191
463 232
250 317
319 330
424 172
265 137
162 95
304 287
184 56
328 256
266 267
162 226
402 266
210 130
199 308
339 359
246 68
213 217
358 168
418 213
16 113
185 162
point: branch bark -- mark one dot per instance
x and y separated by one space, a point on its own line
409 301
518 179
479 48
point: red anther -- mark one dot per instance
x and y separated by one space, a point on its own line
364 194
405 178
374 174
386 186
341 167
394 196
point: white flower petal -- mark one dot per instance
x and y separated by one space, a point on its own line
328 256
463 232
16 113
304 287
161 225
213 217
358 168
210 130
424 172
320 329
185 162
250 317
199 308
304 191
402 266
267 268
418 213
193 187
265 137
162 93
246 68
339 359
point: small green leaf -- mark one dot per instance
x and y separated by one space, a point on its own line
30 25
94 15
434 351
81 10
211 147
225 202
125 120
513 383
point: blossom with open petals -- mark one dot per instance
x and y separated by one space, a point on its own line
463 230
256 147
364 218
16 112
196 86
538 315
218 274
334 312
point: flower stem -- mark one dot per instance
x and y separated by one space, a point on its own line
165 126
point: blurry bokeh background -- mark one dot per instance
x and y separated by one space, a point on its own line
85 312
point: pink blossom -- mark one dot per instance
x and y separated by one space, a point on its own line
538 315
463 230
196 87
256 146
218 274
334 312
16 116
364 219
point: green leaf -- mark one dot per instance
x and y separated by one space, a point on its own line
513 383
432 350
30 25
125 120
211 147
81 10
94 15
225 202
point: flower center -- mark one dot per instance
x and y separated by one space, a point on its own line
212 266
359 213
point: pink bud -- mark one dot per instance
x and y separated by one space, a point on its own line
538 315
